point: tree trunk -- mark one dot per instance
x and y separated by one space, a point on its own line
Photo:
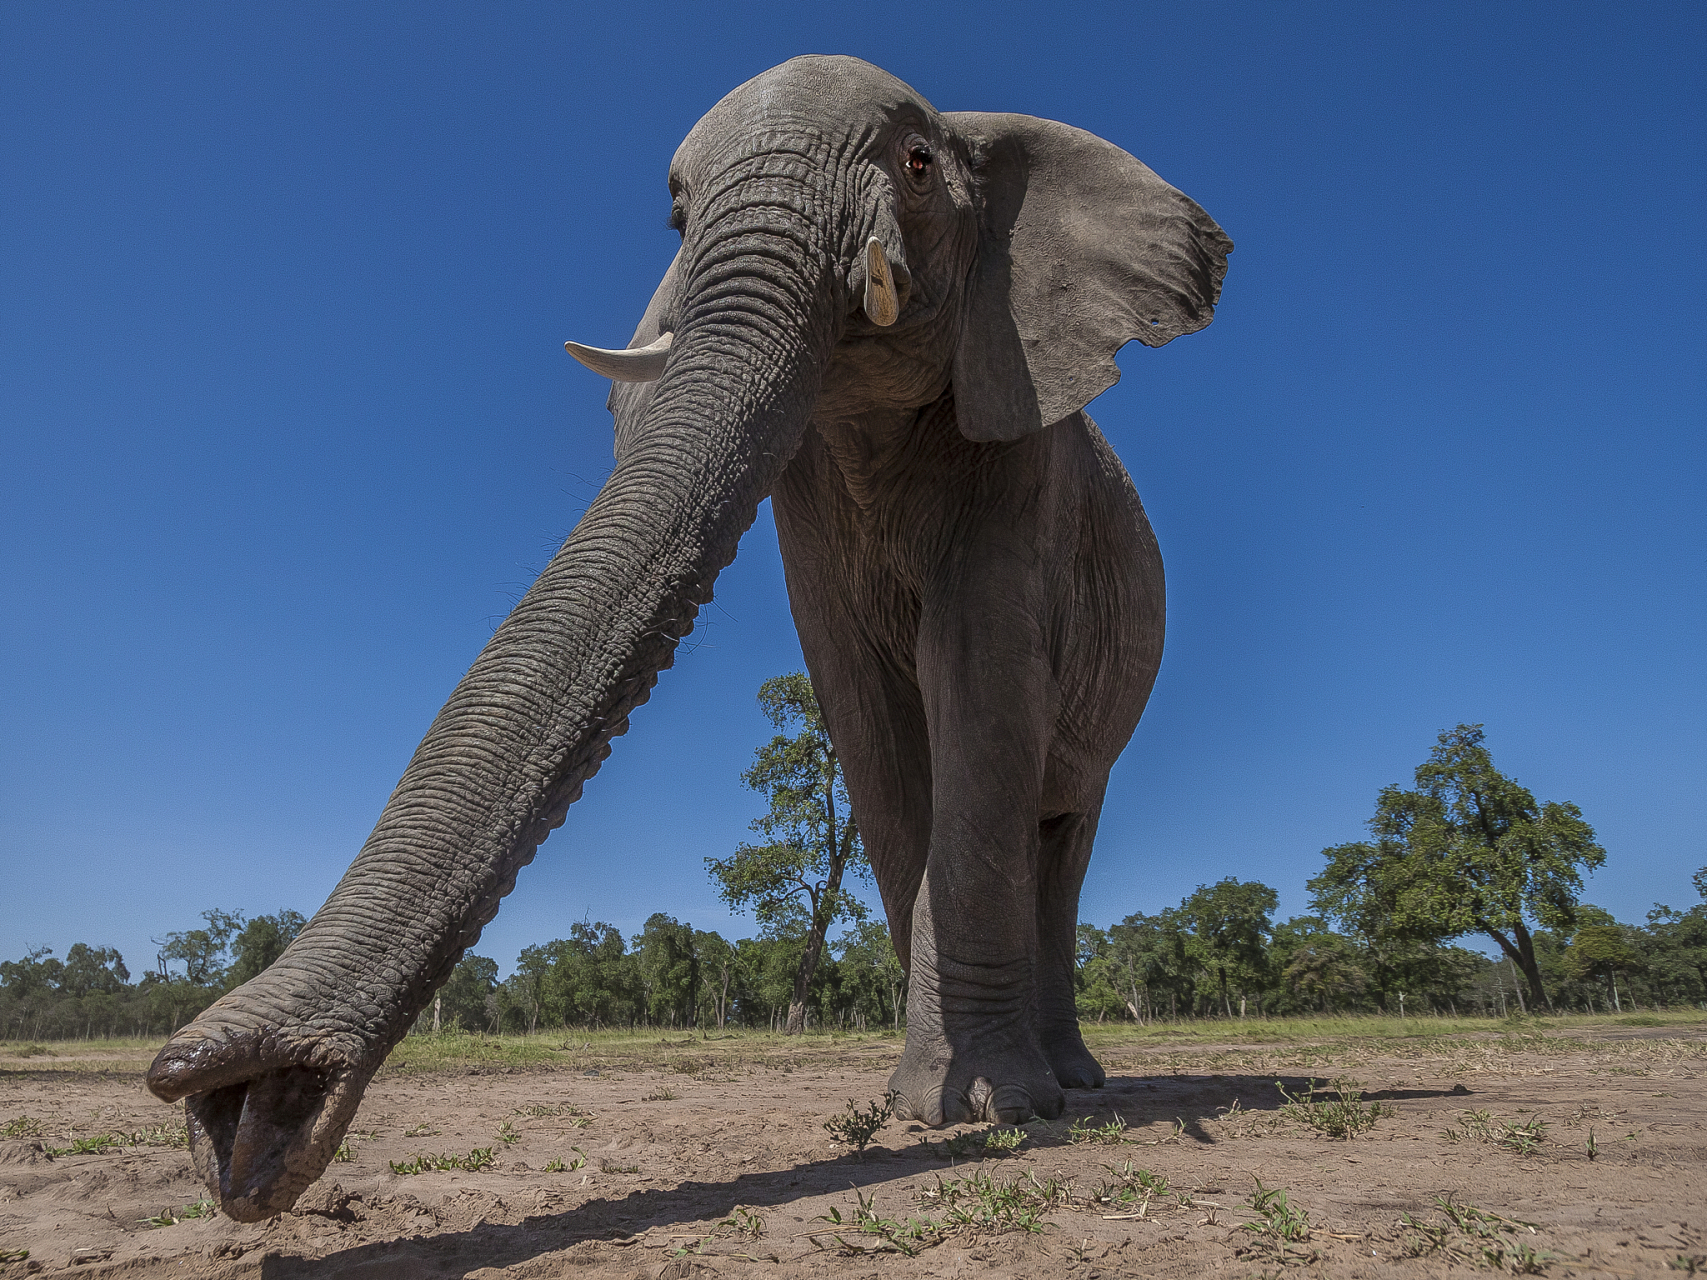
824 904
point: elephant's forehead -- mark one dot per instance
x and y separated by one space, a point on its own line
825 95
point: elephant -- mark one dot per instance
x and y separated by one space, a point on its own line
887 319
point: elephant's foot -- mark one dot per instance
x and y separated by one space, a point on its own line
1006 1083
1072 1063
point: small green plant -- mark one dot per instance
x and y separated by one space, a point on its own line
508 1135
1276 1215
99 1144
609 1166
857 1126
159 1135
1082 1130
1343 1117
421 1131
1523 1139
990 1206
743 1222
663 1095
14 1255
1589 1147
1003 1141
1129 1186
905 1236
1476 1236
22 1127
473 1162
344 1154
172 1217
578 1163
1694 1264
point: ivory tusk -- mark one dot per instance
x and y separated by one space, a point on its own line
881 304
635 364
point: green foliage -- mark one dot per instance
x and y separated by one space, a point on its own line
1521 1138
1082 1130
792 883
856 1126
473 1162
1467 851
1229 927
260 942
172 1217
1342 1117
1465 1233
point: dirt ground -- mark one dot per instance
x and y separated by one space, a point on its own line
714 1161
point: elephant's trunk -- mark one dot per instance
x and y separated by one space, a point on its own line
273 1072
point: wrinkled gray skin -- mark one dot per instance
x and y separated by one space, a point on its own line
978 593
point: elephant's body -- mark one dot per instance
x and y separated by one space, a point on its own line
983 623
890 320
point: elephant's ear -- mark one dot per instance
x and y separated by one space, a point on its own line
1081 249
628 400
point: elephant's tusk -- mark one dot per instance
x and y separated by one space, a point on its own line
636 364
881 304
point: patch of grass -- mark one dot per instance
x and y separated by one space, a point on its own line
1281 1226
172 1217
1524 1139
1344 1117
1467 1234
743 1222
1082 1130
663 1095
22 1127
1129 1188
857 1126
908 1236
30 1051
98 1144
473 1162
990 1206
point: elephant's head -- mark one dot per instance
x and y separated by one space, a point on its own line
845 247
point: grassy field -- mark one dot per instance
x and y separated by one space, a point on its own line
1162 1046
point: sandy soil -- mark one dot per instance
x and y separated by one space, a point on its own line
673 1186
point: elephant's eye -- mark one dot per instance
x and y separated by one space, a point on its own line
919 161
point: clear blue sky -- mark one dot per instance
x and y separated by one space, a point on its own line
286 425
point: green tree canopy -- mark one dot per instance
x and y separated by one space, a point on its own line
259 943
792 883
1467 851
1229 923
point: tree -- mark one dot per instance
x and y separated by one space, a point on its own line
1316 966
462 1000
717 965
793 883
1229 925
259 943
872 968
669 969
1467 851
1602 948
93 971
201 951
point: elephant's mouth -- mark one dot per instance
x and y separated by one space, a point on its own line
265 1131
242 1136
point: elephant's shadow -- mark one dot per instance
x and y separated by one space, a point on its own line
1184 1102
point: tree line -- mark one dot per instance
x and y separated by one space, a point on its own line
1465 852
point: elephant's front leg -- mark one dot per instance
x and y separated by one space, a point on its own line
990 702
